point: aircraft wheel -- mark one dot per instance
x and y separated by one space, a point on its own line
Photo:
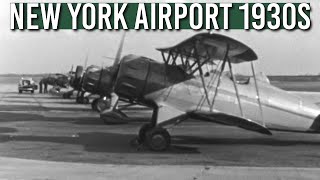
79 100
20 91
32 91
158 139
65 95
143 131
85 100
101 105
94 104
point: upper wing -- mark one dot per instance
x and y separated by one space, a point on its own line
206 46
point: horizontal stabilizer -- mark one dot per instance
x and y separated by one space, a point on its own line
230 120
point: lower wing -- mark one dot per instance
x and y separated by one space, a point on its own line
231 120
169 115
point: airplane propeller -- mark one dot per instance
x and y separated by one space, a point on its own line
119 52
114 69
86 60
71 70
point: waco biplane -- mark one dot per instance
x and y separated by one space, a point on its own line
95 80
56 80
86 79
181 88
90 81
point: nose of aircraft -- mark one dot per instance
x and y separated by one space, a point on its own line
91 79
99 81
107 81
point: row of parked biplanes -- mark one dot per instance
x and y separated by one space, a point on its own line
182 87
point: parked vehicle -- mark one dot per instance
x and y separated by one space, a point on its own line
27 84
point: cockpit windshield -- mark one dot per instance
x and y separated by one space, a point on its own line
239 79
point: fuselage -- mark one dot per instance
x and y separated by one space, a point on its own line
280 110
145 80
60 80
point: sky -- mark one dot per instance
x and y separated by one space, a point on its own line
280 52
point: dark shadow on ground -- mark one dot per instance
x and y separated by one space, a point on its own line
42 108
11 117
36 102
100 142
194 140
31 96
7 130
121 143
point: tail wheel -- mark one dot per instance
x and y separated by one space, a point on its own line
143 132
158 139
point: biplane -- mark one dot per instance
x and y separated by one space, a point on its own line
56 80
86 80
90 82
180 88
94 80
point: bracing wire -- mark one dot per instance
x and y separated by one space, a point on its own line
210 83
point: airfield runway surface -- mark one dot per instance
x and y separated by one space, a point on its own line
42 127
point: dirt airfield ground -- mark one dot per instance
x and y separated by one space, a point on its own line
48 128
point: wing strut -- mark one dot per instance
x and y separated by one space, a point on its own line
204 84
219 78
212 81
235 87
257 91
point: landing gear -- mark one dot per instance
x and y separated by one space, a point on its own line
67 95
20 91
32 91
100 104
79 100
82 100
156 138
85 100
143 132
94 104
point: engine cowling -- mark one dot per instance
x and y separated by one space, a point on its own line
138 76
